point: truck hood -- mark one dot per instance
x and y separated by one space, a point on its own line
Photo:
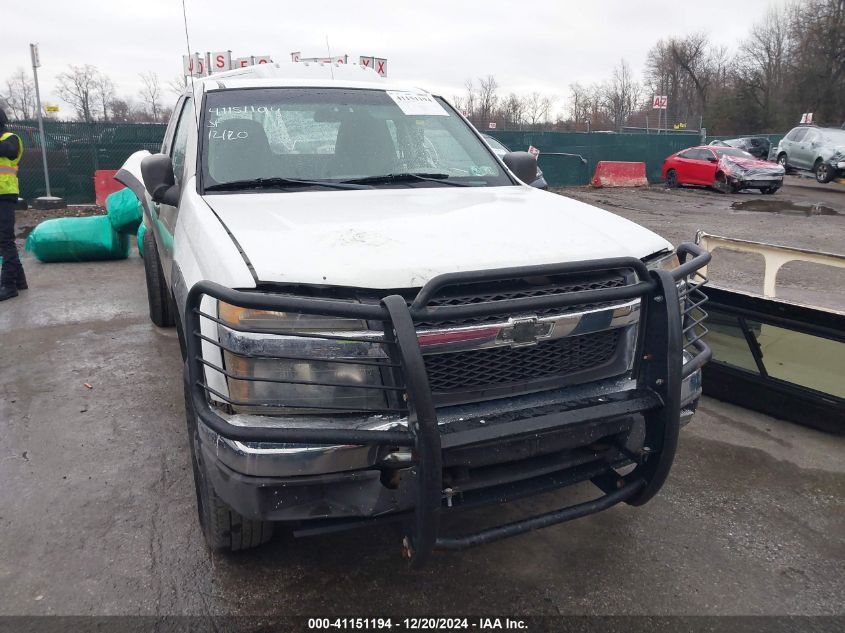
401 238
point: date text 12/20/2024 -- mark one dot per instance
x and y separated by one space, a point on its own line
417 624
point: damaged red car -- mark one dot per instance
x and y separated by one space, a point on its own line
727 169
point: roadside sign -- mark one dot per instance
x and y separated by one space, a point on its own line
51 108
221 61
807 117
533 151
660 102
491 125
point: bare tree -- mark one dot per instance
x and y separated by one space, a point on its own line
77 87
177 85
818 57
103 93
513 111
121 110
151 95
469 100
20 96
538 109
621 95
762 63
487 99
579 103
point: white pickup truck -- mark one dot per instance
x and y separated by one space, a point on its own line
381 321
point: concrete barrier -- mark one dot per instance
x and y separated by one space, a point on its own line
619 174
104 184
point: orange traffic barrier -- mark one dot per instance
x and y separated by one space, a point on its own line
619 174
104 184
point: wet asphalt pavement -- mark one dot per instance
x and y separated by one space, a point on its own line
97 511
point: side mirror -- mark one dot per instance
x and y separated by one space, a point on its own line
157 172
712 159
523 165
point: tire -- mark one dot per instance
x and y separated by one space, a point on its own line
769 190
158 295
223 528
783 161
671 179
823 172
723 184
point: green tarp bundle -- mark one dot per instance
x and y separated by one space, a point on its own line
141 230
124 211
77 240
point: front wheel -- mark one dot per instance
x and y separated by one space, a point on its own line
724 184
671 179
782 161
824 174
158 296
223 528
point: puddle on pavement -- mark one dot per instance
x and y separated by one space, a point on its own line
783 206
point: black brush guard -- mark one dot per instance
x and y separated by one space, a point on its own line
665 331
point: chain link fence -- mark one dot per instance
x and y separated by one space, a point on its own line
561 153
75 151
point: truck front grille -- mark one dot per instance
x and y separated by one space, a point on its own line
497 367
491 292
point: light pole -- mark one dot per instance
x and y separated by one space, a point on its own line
48 201
33 50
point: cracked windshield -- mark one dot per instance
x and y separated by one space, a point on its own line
278 138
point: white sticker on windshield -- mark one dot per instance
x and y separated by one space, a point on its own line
413 103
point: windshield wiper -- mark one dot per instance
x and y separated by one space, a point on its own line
279 183
406 177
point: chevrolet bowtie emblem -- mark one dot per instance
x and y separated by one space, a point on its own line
525 331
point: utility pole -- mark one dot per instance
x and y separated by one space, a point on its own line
33 50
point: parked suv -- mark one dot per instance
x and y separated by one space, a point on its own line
381 322
820 150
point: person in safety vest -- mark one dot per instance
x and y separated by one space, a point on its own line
12 278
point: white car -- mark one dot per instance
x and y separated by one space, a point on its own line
381 321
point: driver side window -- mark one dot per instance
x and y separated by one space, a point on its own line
180 140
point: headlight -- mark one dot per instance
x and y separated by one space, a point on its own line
666 261
269 321
267 383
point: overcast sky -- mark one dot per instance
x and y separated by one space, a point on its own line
528 46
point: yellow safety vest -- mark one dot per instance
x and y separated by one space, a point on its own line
9 169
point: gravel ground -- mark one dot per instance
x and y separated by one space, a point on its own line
97 511
803 214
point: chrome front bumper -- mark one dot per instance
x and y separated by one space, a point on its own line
292 460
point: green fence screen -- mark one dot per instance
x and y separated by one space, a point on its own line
561 170
76 150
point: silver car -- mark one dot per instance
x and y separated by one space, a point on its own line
820 150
